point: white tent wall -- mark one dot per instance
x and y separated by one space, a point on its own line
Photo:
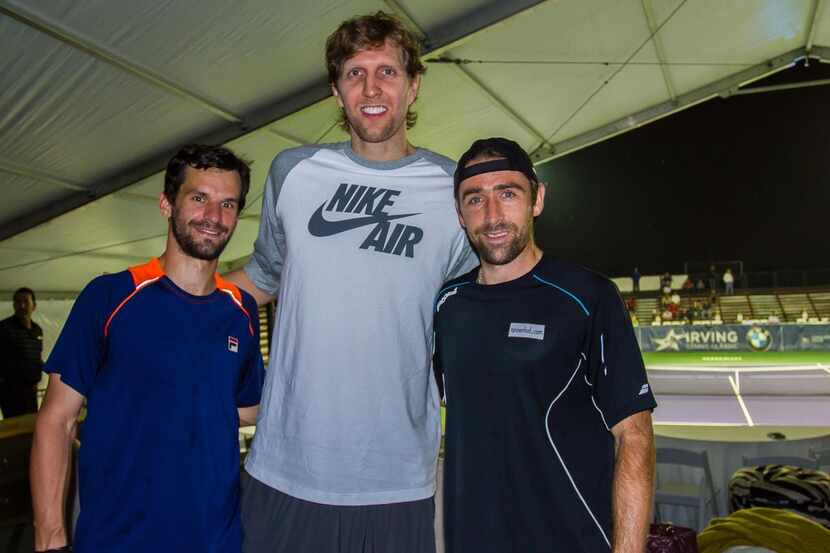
95 95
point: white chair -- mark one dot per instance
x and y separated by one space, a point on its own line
792 461
696 495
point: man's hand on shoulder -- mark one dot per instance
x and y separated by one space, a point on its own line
241 279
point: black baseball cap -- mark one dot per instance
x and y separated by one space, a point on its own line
509 157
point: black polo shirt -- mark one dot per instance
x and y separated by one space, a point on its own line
536 372
22 350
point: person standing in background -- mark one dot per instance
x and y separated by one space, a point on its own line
728 282
21 340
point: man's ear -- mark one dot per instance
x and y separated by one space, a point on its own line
165 207
539 204
336 95
414 87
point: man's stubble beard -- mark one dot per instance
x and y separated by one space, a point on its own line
190 246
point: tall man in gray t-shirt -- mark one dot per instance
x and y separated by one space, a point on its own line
355 240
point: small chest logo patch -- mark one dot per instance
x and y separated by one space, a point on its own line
526 330
233 344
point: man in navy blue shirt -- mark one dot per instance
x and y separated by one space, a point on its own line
166 355
549 446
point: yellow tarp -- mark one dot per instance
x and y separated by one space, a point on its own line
776 529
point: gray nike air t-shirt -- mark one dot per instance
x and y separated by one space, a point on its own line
355 251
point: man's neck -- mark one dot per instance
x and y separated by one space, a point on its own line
523 264
25 321
194 276
393 149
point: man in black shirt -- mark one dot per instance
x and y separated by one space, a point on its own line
549 442
21 343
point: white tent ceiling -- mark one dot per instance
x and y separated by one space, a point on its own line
96 94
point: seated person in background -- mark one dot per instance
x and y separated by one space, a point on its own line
688 284
634 320
739 318
804 316
706 310
696 312
699 285
774 318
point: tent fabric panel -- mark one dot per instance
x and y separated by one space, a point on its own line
633 86
230 52
22 194
564 31
448 123
77 118
734 31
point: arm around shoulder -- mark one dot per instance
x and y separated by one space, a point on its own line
50 462
241 279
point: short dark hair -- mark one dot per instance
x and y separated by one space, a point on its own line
24 290
368 32
201 156
497 148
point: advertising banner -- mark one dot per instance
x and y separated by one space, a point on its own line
771 337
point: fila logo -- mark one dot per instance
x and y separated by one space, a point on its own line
399 239
233 344
643 389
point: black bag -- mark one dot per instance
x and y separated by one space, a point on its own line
667 538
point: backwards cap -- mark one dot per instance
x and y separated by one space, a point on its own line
510 157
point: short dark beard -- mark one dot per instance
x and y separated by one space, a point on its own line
502 256
192 248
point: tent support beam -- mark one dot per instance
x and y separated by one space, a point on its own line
441 39
52 254
99 52
779 87
14 169
658 48
723 87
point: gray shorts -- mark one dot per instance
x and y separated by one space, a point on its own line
274 522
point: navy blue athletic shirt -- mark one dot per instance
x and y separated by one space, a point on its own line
536 372
163 373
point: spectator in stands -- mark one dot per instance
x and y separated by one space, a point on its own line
739 318
699 284
774 318
688 284
631 304
696 312
21 340
706 310
728 281
675 298
635 280
634 320
804 316
713 278
665 283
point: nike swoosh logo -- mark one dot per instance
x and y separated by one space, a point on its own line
319 226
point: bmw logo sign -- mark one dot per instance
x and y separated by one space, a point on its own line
759 338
